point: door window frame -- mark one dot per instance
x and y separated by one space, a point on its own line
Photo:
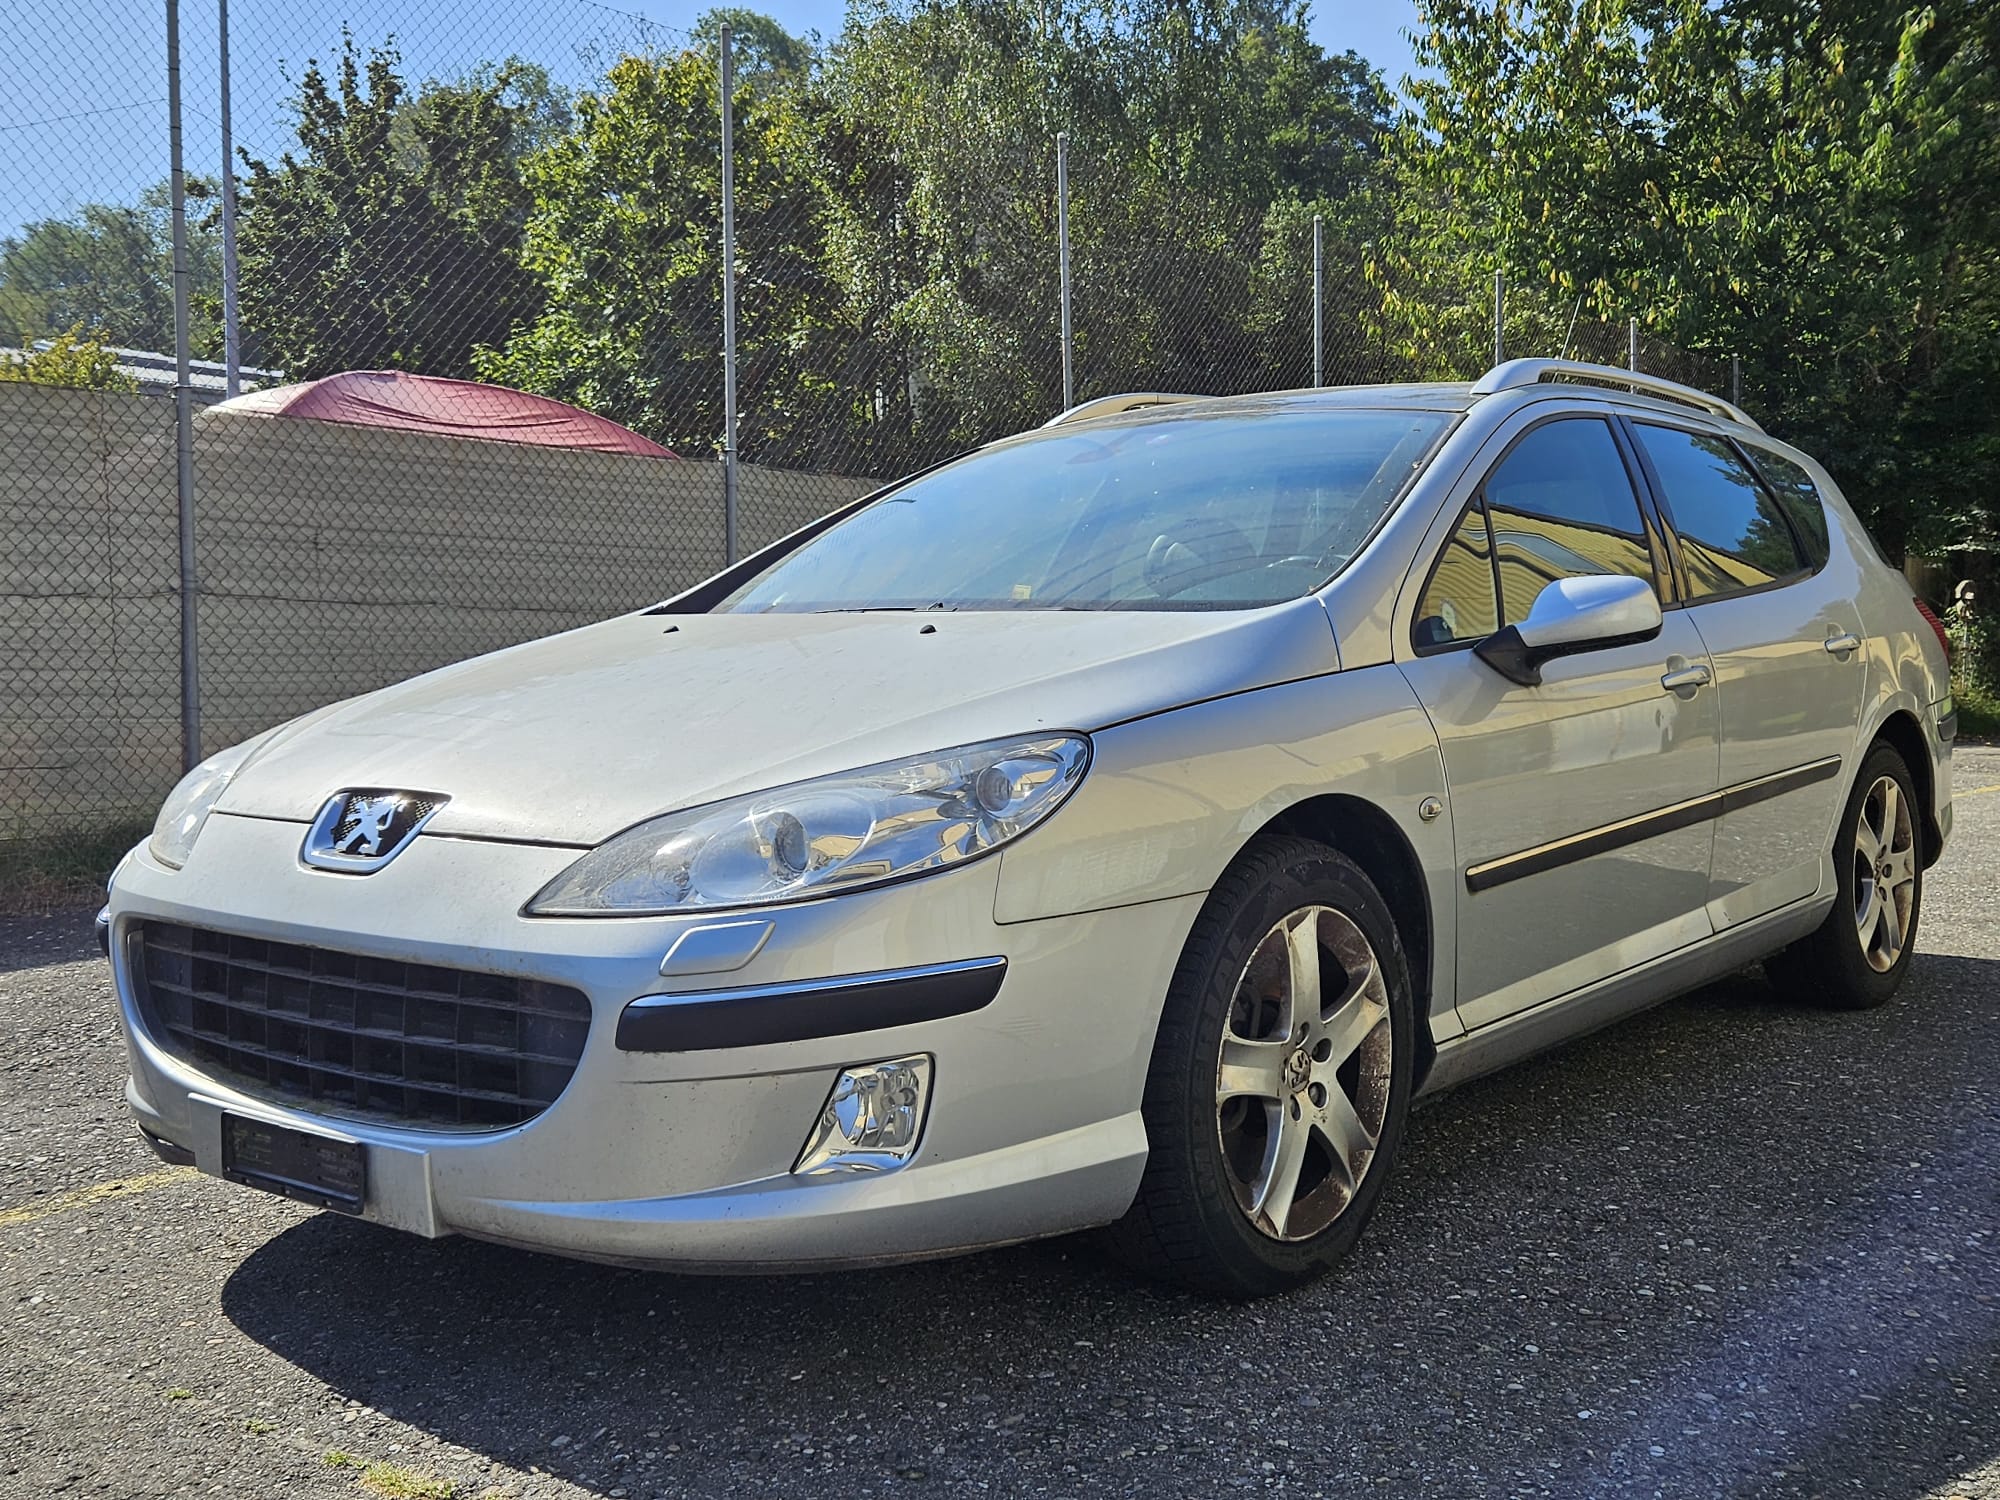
1658 495
1757 454
1669 585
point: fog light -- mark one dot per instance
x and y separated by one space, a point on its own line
872 1119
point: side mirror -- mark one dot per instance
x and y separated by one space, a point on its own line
1591 613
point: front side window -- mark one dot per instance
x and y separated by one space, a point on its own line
1458 602
1224 511
1562 506
1733 536
1800 499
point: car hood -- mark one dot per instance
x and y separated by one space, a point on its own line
572 738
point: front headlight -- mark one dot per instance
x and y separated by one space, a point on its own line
816 837
188 805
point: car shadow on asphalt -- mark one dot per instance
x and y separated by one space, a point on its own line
1731 1244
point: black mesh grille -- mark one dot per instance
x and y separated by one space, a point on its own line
367 1036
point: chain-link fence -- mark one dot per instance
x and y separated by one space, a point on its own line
503 212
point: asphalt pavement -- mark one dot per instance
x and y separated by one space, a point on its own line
1734 1247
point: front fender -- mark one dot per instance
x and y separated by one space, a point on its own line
1172 798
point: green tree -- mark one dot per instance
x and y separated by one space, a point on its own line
625 241
767 56
1817 190
1203 138
896 218
70 359
108 270
391 240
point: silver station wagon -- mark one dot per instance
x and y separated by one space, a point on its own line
1117 826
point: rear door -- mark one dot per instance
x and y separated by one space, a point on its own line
1578 807
1777 615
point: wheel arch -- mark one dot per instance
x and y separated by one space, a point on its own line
1371 838
1901 731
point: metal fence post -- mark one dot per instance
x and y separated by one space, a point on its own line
1632 344
1062 266
1499 317
183 405
1735 380
728 300
1319 293
232 344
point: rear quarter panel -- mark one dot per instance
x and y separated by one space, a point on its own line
1907 669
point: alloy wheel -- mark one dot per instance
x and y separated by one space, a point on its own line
1885 873
1302 1082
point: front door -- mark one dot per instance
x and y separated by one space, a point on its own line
1580 808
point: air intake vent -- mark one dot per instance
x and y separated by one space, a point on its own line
351 1035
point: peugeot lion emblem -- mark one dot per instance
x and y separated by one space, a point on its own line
363 828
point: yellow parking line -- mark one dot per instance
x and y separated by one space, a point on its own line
97 1192
1980 791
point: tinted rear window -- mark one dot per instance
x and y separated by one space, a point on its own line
1733 536
1800 498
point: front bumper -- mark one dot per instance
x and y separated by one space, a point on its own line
1944 732
684 1158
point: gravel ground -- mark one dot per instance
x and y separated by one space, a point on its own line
1730 1248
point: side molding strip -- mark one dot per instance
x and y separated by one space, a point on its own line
1559 852
1749 793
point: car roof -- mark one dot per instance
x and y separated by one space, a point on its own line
1525 379
1438 396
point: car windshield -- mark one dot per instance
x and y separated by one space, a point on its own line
1225 511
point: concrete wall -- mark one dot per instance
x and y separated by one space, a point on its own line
332 560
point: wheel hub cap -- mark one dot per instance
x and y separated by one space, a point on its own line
1302 1083
1298 1071
1885 874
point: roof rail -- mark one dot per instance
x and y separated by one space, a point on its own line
1516 373
1111 406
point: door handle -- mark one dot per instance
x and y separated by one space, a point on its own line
1840 645
1687 677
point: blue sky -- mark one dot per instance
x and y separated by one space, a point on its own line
83 86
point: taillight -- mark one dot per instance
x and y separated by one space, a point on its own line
1944 639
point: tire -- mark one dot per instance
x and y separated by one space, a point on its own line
1211 1214
1856 958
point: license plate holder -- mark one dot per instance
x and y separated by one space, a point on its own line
320 1170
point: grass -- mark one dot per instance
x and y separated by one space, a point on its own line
1978 714
180 1393
337 1458
56 871
393 1483
259 1425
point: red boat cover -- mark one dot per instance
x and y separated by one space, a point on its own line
450 408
